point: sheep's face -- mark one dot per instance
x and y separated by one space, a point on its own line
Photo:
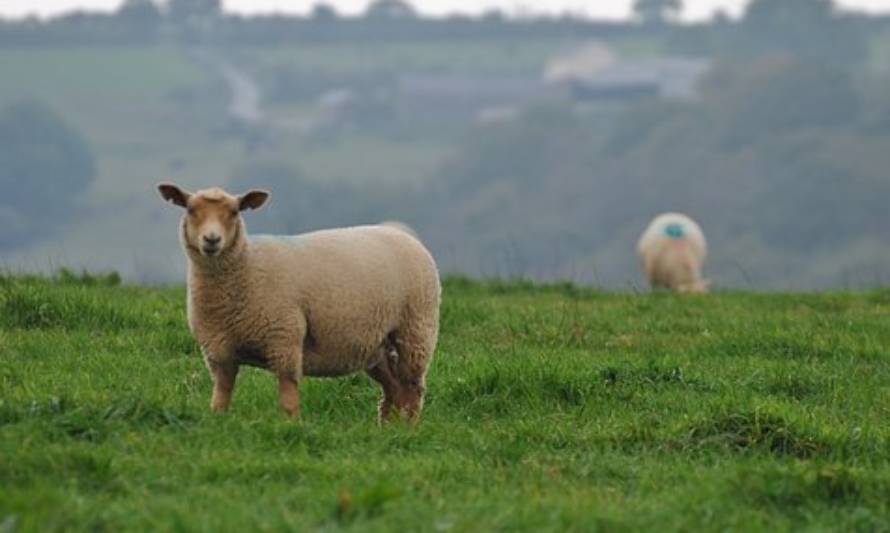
212 223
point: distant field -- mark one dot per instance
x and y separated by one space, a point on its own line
508 56
549 408
128 102
460 56
85 73
152 113
879 58
113 94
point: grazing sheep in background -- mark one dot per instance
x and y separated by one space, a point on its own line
672 250
400 226
326 303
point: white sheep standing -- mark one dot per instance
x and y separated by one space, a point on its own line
326 303
672 250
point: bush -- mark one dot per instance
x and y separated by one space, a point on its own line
45 163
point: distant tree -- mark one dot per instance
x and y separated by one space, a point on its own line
493 15
301 204
720 18
806 28
653 12
308 201
390 9
322 12
779 95
797 13
44 165
183 10
142 10
194 19
139 18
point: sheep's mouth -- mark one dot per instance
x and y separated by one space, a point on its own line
210 251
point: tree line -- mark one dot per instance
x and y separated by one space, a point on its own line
791 22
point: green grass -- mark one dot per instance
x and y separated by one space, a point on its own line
549 408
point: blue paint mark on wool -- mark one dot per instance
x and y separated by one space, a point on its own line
674 231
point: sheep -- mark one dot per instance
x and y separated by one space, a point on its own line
326 303
672 250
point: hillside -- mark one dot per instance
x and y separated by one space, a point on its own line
158 112
541 155
549 408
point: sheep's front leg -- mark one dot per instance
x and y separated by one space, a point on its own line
224 375
289 369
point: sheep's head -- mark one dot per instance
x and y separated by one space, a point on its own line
212 224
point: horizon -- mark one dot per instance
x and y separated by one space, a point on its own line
603 10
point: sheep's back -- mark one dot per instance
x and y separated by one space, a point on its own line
354 285
655 241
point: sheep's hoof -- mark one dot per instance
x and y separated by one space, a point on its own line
404 416
293 414
219 408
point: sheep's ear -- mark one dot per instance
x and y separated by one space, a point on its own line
173 193
252 199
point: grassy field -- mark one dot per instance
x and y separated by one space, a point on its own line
468 57
549 408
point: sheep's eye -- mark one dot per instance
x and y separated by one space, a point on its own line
233 212
191 211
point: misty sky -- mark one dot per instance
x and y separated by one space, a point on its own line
595 8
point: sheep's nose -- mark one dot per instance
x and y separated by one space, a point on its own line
212 239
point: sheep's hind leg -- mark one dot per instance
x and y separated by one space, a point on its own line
415 347
224 375
289 395
382 373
